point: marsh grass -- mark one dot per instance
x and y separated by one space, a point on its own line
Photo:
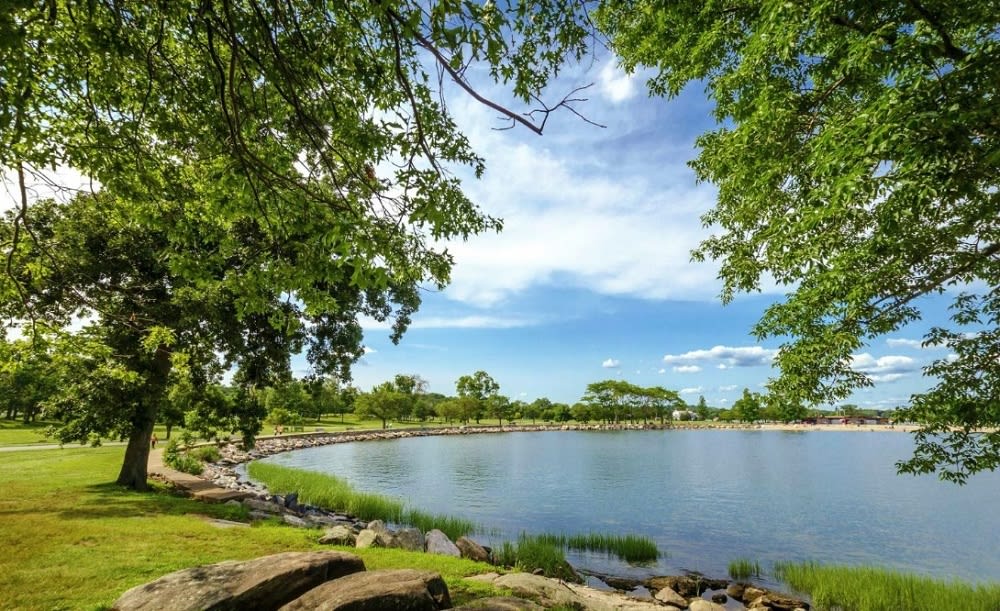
335 494
743 568
633 549
530 553
874 589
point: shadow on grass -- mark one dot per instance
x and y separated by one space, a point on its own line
109 500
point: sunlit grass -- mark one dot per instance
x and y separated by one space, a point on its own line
743 568
875 589
335 494
634 549
530 553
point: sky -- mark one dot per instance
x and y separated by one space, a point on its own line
592 277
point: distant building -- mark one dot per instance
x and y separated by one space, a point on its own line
684 414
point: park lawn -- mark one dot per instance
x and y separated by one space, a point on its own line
74 540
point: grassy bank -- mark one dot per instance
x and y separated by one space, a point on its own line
73 540
335 494
874 589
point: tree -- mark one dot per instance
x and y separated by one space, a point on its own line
856 164
499 407
478 387
384 402
702 408
289 163
748 407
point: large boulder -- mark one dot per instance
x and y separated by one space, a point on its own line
556 593
402 589
409 539
263 583
436 542
700 604
472 550
501 603
338 535
780 602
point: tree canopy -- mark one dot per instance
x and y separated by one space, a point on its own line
857 164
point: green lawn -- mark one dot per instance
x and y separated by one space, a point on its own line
72 540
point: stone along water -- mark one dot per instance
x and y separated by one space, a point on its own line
705 497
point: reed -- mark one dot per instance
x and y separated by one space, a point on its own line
335 494
742 569
630 548
531 553
874 589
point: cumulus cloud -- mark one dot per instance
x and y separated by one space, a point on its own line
370 350
743 356
616 86
456 322
611 364
686 368
916 344
693 390
884 368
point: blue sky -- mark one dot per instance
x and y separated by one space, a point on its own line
591 277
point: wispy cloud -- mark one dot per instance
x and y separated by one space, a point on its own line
686 368
457 322
615 85
693 390
884 368
728 387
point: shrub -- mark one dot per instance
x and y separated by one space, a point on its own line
206 454
175 458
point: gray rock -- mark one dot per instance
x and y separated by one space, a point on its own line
751 594
263 506
338 535
378 526
367 538
264 583
292 520
436 542
404 589
700 604
668 596
720 598
409 539
773 600
472 550
736 590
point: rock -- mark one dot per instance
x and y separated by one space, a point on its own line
502 603
367 538
555 593
378 526
751 594
700 604
773 600
670 597
472 550
256 516
409 539
720 598
407 589
292 501
735 590
436 542
263 583
338 535
296 521
263 506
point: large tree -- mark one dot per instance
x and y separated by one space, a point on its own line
856 164
286 165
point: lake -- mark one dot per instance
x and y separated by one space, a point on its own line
706 497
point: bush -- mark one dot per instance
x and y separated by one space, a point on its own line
206 454
175 458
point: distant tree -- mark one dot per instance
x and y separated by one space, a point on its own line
478 387
26 378
384 402
535 409
748 407
581 412
702 408
499 407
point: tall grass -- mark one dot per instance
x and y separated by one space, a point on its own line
335 494
530 553
743 568
874 589
630 548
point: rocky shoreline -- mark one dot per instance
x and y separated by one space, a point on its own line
690 591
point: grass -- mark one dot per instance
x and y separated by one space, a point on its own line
336 494
633 549
65 524
742 569
529 553
875 589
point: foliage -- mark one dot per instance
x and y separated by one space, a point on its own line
748 407
209 453
476 391
856 164
176 457
384 402
612 400
874 589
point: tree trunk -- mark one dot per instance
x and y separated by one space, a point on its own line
134 466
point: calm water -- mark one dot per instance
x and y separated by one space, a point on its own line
705 497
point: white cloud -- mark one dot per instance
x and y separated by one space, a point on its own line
370 350
662 370
610 364
686 368
884 368
916 344
722 366
728 387
888 377
744 356
616 86
694 390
